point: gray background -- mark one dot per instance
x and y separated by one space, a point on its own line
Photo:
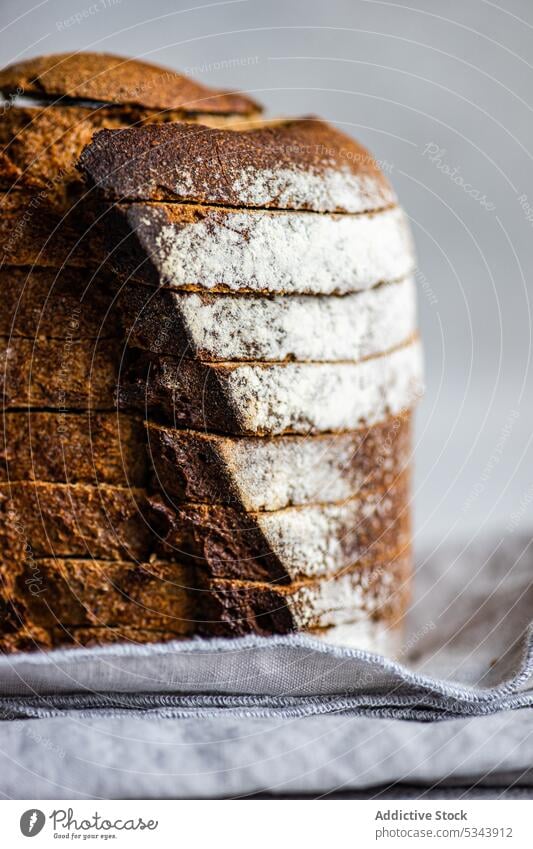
454 75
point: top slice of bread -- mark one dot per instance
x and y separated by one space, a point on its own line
295 164
106 78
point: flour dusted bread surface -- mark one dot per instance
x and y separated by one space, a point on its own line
288 544
251 327
106 78
252 250
258 473
258 398
65 447
293 164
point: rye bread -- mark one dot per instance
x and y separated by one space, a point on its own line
194 247
59 374
40 519
90 448
286 545
258 473
269 399
373 635
57 304
58 601
40 146
301 164
376 591
83 593
25 639
222 327
33 233
105 78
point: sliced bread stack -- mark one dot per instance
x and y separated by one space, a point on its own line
269 308
77 560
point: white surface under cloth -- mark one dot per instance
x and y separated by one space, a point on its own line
350 719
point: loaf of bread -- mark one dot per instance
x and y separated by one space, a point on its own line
270 316
210 359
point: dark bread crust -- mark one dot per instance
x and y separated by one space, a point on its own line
237 608
114 79
188 163
59 374
193 466
71 520
58 304
91 448
224 542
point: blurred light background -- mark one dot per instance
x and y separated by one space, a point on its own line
442 92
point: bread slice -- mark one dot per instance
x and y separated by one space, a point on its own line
363 634
96 602
66 447
40 146
105 78
376 591
259 398
258 473
105 593
292 164
26 639
369 635
221 327
33 233
59 373
58 304
289 544
40 519
250 250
